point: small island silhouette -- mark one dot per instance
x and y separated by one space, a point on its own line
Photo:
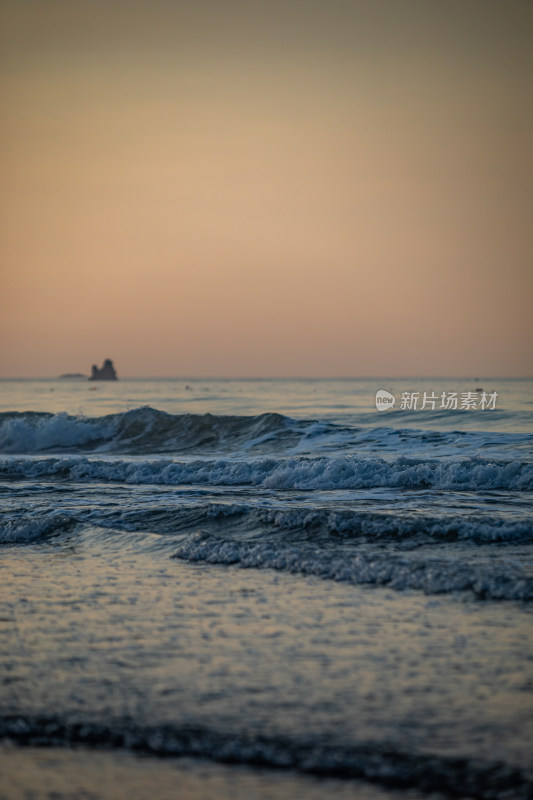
106 372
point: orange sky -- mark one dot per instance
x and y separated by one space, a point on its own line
275 188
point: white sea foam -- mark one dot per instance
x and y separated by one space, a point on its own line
305 474
432 576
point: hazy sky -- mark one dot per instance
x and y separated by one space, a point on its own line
263 188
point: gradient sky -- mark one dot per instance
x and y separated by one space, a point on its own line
295 188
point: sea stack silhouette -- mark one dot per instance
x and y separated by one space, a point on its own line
106 372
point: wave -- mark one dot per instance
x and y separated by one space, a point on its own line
301 473
313 524
140 430
310 524
149 431
30 527
318 523
381 763
433 576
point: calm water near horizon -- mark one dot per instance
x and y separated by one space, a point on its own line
268 574
294 397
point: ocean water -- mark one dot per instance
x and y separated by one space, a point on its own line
266 588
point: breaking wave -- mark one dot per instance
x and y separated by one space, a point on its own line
31 527
144 431
310 524
140 430
315 523
291 473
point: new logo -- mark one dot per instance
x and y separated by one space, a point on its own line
384 400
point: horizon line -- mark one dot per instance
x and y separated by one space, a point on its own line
270 377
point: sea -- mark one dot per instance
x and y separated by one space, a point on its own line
215 588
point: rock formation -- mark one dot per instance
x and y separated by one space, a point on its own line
105 373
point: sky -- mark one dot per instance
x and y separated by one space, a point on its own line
266 187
